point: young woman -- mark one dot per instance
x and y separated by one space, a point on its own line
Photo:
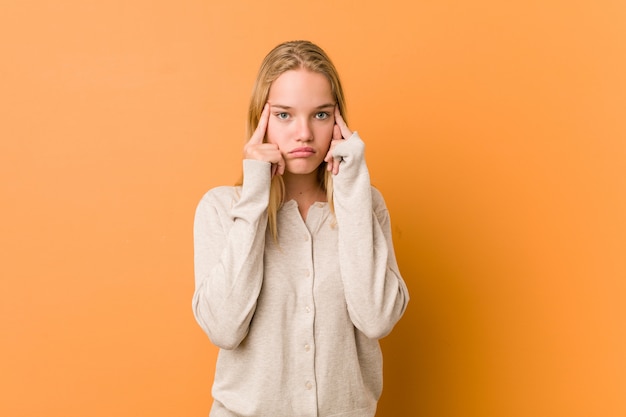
295 272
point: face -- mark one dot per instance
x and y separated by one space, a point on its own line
301 119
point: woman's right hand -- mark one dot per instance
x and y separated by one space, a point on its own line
268 152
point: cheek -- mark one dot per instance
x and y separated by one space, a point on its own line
325 132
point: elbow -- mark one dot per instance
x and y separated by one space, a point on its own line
375 332
220 334
373 326
378 323
225 340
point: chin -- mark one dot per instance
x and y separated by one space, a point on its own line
301 171
302 168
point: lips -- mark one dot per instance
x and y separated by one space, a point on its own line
302 152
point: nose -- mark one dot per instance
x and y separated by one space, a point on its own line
303 130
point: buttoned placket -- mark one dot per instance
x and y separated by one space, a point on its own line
308 344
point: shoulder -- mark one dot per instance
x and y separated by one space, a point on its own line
222 197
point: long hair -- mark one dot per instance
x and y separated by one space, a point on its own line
288 56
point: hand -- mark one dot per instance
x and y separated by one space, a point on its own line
340 133
268 152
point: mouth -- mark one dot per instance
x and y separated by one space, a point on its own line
302 152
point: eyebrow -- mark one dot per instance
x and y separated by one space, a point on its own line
323 106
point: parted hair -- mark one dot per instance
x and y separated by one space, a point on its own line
292 55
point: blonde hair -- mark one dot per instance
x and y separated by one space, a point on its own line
288 56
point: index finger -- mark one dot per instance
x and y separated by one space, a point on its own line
259 132
343 127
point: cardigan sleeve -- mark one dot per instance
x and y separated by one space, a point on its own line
229 236
376 295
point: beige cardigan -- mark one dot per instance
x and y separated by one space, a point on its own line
297 322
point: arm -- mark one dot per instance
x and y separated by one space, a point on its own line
376 295
228 257
229 243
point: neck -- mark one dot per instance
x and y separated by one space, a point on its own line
298 185
304 189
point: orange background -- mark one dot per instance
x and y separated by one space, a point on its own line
496 131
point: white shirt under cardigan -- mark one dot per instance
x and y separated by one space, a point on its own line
297 322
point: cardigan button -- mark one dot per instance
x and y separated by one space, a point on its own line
308 385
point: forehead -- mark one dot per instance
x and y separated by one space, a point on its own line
301 88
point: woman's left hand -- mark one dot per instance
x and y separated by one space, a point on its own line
340 133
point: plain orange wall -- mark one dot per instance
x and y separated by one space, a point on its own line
496 131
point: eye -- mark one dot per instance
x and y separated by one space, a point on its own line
322 115
282 115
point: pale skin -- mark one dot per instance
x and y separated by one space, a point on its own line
298 130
